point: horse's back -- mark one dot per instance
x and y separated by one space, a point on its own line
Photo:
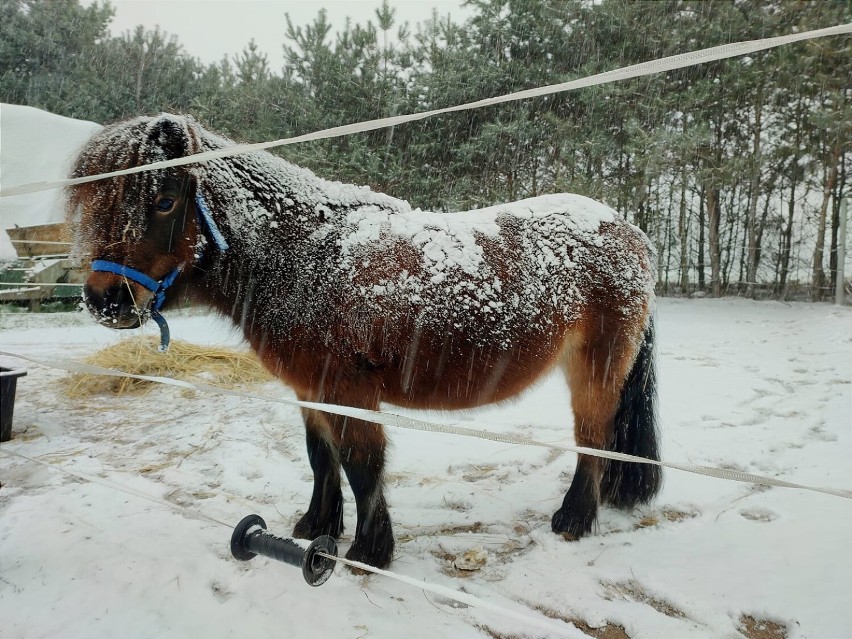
511 264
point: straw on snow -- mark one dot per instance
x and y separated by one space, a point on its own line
221 366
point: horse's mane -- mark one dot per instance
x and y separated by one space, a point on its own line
260 181
252 181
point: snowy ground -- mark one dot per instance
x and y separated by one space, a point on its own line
761 387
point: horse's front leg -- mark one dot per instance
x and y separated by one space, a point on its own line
362 447
325 512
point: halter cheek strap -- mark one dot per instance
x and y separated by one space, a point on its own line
206 217
158 288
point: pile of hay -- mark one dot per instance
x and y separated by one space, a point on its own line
189 362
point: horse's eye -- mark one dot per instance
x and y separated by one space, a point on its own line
165 204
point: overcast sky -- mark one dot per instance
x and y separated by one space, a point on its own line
209 29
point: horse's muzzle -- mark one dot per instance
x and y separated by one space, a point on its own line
115 306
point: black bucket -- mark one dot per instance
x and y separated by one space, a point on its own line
8 384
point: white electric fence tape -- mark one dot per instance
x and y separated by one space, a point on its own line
634 71
465 598
410 423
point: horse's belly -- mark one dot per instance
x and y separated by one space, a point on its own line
461 378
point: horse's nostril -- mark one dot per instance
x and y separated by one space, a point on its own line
114 306
90 295
119 297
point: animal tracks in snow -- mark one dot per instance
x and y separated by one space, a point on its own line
758 514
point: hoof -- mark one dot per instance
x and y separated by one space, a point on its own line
377 551
571 526
309 528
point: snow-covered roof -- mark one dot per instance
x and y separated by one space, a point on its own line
35 145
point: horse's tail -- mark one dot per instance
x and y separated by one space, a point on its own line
625 484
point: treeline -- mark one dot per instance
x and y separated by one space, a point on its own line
735 169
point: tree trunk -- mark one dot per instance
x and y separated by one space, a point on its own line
727 255
839 189
684 235
668 252
818 274
534 180
753 250
712 194
787 241
701 283
787 232
741 277
761 225
643 216
658 239
776 280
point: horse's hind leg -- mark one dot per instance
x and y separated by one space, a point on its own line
325 512
595 369
625 484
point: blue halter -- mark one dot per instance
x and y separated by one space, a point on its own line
158 288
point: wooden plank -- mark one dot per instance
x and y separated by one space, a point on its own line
25 293
41 239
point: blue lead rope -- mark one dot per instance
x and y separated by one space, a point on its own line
165 335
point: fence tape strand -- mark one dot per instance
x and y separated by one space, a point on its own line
410 423
650 67
465 598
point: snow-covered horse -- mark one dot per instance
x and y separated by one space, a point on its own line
351 297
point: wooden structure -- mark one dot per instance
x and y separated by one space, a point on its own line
44 269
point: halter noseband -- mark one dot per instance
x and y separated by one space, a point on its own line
158 288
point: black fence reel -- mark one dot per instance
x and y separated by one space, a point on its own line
250 539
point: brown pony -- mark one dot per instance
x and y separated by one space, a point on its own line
351 297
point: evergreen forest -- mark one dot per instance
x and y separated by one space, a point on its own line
735 169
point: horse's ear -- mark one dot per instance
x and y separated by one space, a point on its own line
171 136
